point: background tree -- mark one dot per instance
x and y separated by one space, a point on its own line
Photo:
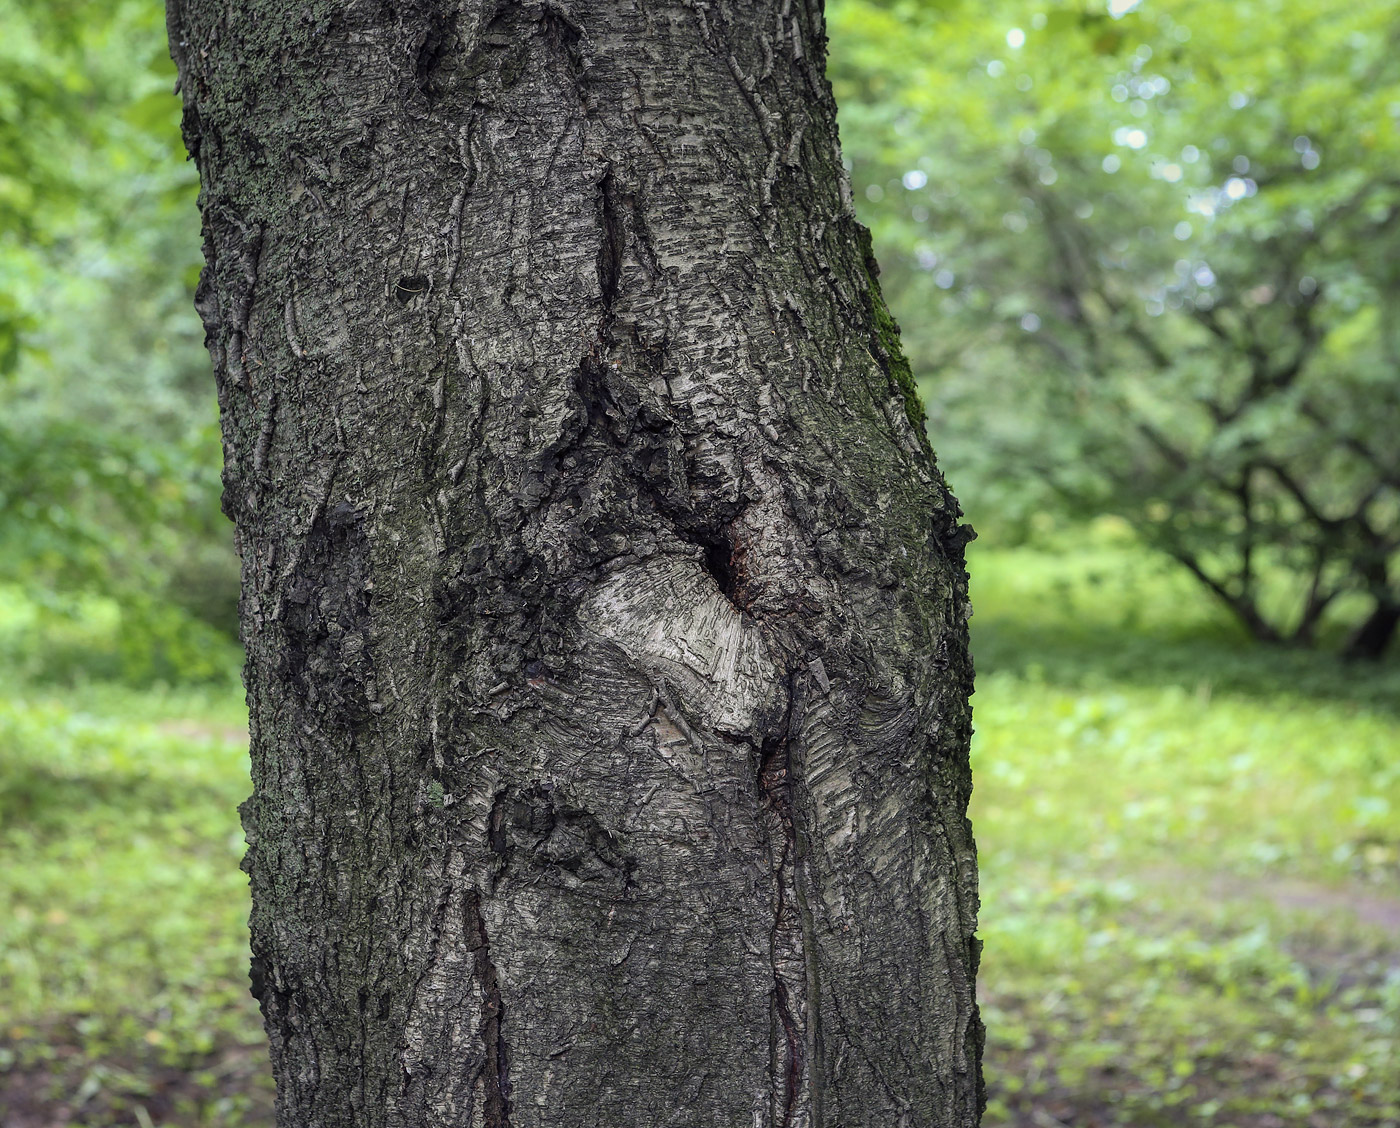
107 444
1161 243
604 610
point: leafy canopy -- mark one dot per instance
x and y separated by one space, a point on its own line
1147 254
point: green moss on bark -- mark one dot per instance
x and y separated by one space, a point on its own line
886 347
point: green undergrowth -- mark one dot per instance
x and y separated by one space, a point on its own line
123 937
1190 855
140 640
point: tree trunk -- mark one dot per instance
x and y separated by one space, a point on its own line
605 612
1373 635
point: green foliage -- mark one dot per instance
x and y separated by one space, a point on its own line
123 937
140 640
108 450
1144 254
1189 856
97 530
89 162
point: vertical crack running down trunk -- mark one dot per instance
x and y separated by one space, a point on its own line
604 608
497 1066
610 250
774 784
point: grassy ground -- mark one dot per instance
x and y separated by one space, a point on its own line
1190 855
123 985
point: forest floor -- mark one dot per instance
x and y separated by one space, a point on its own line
1190 855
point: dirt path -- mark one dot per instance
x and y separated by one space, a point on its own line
1372 907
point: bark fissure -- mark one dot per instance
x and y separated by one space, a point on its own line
435 44
794 1006
722 556
496 1069
610 252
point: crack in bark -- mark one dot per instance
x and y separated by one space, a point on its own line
435 44
775 787
496 1066
610 250
563 33
724 559
249 256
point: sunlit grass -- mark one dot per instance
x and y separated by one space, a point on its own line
1168 776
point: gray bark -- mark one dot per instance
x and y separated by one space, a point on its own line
605 611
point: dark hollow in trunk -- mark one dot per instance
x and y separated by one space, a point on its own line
605 611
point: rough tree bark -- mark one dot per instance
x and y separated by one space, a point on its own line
605 611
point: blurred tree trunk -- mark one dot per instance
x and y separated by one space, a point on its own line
604 609
1371 638
1374 634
